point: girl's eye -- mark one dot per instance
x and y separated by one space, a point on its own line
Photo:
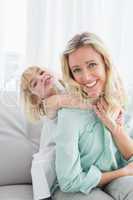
41 73
76 70
34 84
91 65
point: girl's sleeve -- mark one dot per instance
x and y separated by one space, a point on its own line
70 175
43 163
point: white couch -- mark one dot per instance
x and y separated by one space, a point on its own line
19 140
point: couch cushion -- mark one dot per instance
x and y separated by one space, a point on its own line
19 140
16 192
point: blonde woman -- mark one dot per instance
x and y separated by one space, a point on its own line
42 96
94 150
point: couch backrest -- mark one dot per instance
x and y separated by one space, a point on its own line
19 140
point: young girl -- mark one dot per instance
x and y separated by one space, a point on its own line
42 96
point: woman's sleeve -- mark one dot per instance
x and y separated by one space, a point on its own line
70 175
121 160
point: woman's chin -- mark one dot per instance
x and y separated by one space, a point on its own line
94 95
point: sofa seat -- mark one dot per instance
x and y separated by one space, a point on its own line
16 192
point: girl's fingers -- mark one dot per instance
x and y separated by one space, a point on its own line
120 118
101 108
98 112
104 103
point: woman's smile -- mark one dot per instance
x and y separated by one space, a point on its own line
93 90
92 84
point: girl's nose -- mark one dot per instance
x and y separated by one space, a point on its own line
40 77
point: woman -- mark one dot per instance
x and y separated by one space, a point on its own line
94 149
42 96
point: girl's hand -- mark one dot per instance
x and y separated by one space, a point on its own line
112 120
51 106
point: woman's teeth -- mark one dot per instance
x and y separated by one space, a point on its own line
89 85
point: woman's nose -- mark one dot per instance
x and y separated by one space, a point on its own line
86 77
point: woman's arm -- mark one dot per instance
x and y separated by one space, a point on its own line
70 174
107 177
123 142
122 139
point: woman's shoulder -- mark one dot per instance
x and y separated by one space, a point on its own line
77 114
83 120
74 111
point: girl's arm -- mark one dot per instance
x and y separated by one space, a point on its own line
55 102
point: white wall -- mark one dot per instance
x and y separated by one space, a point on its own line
36 31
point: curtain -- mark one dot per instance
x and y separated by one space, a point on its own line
51 23
13 16
38 30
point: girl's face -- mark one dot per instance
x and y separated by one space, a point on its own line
42 84
88 69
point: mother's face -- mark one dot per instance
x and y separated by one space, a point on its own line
88 69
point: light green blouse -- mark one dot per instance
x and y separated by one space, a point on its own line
84 149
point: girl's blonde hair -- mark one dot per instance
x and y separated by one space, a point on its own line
114 92
33 106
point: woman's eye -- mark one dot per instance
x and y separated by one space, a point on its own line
77 70
91 65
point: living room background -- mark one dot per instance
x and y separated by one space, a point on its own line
35 32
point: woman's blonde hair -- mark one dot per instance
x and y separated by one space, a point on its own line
114 92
